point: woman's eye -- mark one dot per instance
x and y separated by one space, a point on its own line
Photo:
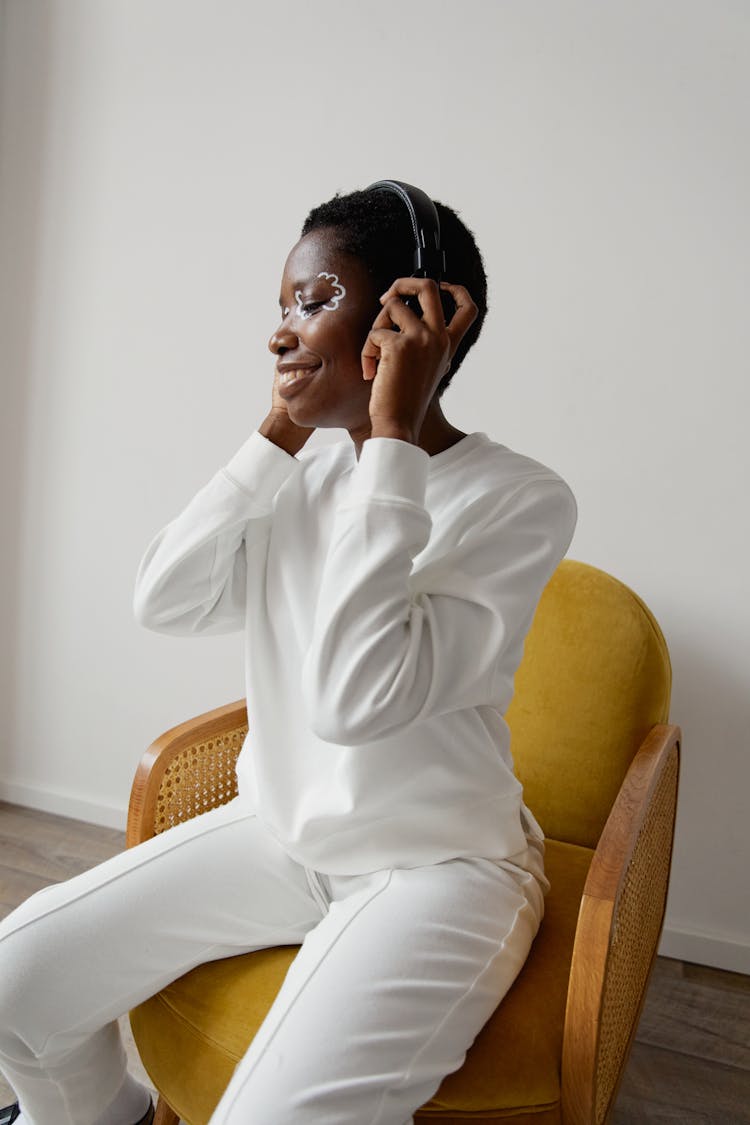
306 308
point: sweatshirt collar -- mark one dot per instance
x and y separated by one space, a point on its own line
440 461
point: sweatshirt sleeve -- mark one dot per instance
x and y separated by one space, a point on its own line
389 651
193 576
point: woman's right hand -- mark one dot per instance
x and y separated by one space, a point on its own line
279 428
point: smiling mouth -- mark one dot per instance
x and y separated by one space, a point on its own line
291 376
293 380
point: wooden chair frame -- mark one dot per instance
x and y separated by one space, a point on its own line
617 932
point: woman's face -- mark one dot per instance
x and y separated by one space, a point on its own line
328 305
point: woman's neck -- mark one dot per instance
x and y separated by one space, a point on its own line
436 435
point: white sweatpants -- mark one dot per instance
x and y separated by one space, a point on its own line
398 971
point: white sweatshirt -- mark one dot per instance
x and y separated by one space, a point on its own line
385 603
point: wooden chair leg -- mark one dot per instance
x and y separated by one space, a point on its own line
165 1115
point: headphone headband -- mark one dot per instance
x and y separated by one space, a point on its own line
429 257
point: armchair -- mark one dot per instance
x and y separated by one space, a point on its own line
599 766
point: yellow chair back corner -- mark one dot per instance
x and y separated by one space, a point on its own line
595 677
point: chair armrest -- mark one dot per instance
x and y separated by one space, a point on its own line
186 771
619 924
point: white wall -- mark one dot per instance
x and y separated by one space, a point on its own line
157 160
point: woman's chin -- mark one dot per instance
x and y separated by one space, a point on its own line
307 414
302 417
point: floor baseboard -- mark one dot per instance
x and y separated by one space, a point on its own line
705 949
64 804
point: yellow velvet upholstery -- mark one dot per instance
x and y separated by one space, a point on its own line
594 680
595 677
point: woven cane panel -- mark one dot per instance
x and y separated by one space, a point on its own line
637 923
199 778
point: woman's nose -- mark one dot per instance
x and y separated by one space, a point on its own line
283 338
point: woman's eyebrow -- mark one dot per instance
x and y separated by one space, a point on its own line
297 284
294 285
300 283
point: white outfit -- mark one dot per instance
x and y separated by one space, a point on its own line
385 602
378 822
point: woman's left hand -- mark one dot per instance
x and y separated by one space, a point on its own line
407 365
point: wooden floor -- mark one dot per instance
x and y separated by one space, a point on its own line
690 1064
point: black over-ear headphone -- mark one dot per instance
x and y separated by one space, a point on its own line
429 256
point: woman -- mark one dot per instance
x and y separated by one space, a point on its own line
385 584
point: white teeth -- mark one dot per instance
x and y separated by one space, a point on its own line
289 376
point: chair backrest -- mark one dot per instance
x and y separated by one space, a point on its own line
595 677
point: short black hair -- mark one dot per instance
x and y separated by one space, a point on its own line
374 226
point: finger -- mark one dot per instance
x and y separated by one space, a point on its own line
370 354
461 297
384 318
426 292
377 338
397 313
371 351
382 327
369 357
464 316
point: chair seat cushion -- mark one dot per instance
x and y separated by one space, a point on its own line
192 1034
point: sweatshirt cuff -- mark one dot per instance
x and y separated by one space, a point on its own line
260 467
389 467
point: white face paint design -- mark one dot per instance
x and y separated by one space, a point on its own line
332 303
